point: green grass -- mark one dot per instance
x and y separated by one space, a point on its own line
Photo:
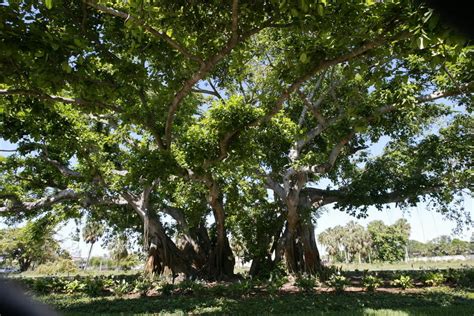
430 302
430 265
33 274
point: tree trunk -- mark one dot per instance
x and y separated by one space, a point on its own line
163 252
293 255
24 265
221 260
88 256
301 250
312 259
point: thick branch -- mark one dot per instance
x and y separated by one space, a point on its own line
324 197
204 91
65 171
203 70
461 89
19 206
323 65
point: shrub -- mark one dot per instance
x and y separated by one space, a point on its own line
243 287
167 288
48 285
467 278
275 282
94 286
142 286
371 282
434 278
338 282
58 266
327 272
121 287
74 286
404 281
306 283
190 287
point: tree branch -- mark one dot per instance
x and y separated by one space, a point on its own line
19 206
324 197
377 42
460 89
204 91
203 70
47 97
153 31
65 171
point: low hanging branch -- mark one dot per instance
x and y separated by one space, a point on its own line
44 96
19 206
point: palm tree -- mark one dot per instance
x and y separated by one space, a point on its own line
91 234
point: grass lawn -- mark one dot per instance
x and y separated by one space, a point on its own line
432 302
410 266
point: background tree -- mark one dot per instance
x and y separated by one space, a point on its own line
30 245
118 249
91 233
389 241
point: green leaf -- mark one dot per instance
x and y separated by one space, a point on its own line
320 9
48 4
65 66
420 42
304 58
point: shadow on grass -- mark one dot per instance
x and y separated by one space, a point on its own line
427 303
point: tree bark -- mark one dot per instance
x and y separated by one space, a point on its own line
221 259
301 251
312 259
163 252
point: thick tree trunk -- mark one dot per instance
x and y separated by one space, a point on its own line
293 251
164 253
196 246
24 265
301 251
312 260
221 260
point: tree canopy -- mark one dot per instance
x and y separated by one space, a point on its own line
177 118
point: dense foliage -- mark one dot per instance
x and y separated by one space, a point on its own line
440 246
175 118
30 245
377 243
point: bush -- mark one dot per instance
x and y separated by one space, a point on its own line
338 282
467 278
306 283
121 287
190 287
58 266
167 288
434 278
48 285
275 282
371 282
142 286
74 286
243 287
93 286
404 281
327 272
